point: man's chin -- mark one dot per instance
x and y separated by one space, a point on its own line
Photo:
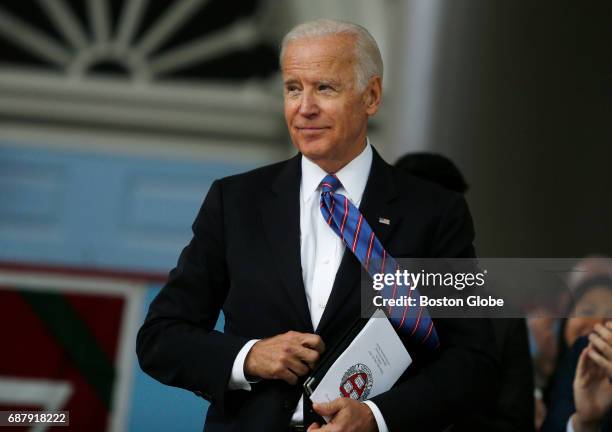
313 149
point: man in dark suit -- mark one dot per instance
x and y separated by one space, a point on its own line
511 409
288 287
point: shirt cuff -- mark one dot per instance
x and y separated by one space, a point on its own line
237 379
378 417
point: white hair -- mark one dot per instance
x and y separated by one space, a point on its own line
369 61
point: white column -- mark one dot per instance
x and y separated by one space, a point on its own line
413 77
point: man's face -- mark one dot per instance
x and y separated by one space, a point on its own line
325 113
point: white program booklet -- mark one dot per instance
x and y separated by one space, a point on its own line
371 364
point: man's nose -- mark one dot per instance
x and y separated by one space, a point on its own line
308 105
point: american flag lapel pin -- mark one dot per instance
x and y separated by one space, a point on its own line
384 221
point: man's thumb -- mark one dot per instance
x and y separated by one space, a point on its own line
328 408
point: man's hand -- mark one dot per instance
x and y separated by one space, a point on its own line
347 415
286 356
592 389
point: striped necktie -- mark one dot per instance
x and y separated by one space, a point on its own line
349 224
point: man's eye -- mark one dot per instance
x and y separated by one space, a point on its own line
325 87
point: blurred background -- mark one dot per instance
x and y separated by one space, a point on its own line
116 116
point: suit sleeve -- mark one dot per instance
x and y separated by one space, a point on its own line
464 371
177 344
515 401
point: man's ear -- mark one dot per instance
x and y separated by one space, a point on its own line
373 95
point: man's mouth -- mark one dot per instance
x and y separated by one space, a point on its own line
311 128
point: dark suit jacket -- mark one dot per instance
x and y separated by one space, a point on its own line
561 403
244 259
511 408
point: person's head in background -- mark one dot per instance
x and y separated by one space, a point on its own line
591 304
589 267
434 168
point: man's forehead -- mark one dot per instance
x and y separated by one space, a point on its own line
312 63
321 51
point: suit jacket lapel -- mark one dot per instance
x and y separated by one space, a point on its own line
280 209
380 190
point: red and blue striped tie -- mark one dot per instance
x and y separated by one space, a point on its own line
349 224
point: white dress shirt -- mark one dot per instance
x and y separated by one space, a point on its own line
321 253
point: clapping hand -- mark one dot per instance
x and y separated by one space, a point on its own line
601 347
593 380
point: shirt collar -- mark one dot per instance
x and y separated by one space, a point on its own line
353 176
